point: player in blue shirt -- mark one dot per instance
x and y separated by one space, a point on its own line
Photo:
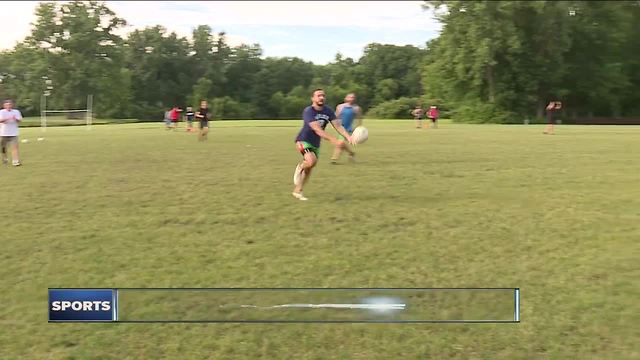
316 117
347 112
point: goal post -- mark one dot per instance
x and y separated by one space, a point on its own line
65 117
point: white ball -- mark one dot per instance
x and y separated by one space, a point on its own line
360 134
25 141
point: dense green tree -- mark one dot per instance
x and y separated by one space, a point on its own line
516 56
81 55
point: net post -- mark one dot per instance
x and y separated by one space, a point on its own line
43 112
89 116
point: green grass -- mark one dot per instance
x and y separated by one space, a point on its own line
460 206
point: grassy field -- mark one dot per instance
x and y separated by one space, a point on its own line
460 206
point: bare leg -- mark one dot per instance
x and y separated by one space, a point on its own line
308 164
15 154
5 159
336 154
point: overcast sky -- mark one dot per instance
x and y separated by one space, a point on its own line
312 30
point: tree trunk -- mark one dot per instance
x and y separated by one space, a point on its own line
491 82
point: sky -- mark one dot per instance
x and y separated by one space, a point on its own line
312 30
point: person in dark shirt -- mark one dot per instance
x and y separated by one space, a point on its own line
551 109
417 115
203 115
315 117
189 115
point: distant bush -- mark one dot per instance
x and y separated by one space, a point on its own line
394 109
481 113
227 108
150 112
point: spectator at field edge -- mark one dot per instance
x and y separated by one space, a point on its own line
9 131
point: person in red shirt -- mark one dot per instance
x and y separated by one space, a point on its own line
174 115
433 114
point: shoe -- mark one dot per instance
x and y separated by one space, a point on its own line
5 161
299 196
298 175
334 162
16 163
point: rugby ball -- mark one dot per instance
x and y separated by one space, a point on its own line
360 134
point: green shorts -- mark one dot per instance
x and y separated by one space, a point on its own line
305 147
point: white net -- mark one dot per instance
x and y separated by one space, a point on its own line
66 117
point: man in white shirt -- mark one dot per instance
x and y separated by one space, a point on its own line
9 119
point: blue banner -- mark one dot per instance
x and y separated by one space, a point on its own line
82 305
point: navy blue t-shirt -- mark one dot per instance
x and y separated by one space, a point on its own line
309 115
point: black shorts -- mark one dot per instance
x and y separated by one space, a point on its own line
8 140
550 119
204 124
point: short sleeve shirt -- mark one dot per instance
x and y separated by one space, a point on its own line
309 115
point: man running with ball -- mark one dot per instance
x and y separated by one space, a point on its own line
347 112
315 117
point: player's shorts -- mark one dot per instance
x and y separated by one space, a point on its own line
204 124
433 119
304 147
174 120
8 140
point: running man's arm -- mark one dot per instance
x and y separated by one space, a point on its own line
339 110
358 116
323 134
337 124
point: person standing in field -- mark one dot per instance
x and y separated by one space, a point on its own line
417 115
174 115
551 109
315 119
167 119
190 115
203 115
9 131
433 114
346 113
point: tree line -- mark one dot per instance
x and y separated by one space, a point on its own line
493 62
73 50
496 61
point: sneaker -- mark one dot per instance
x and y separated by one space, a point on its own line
16 163
298 175
334 162
299 196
